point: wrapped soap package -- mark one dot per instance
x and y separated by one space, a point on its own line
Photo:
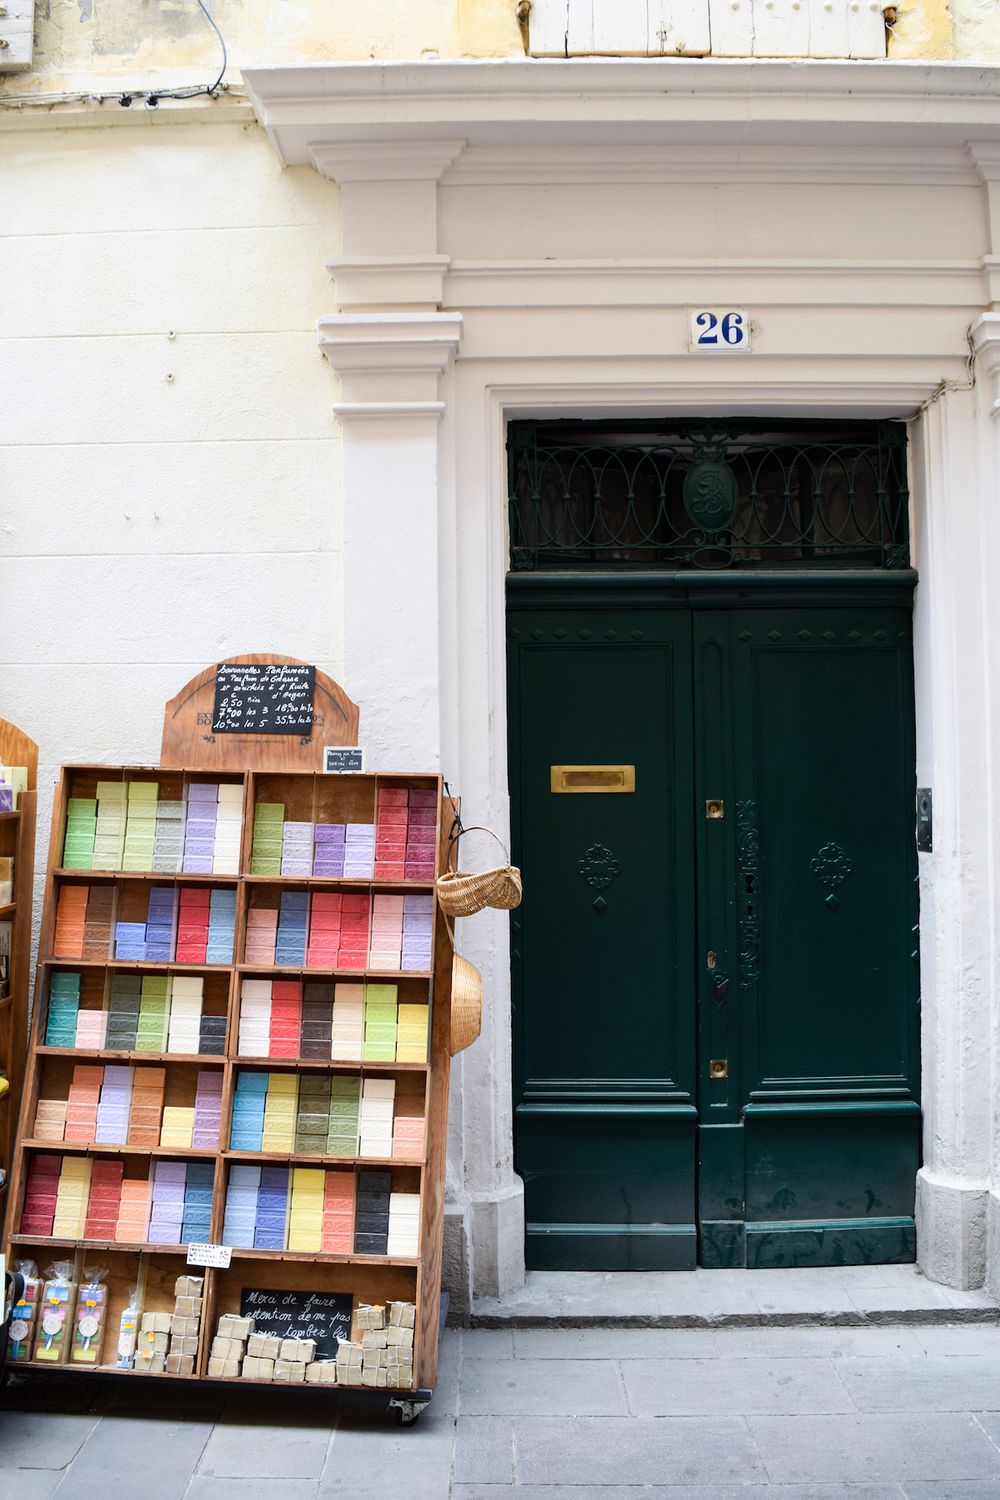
55 1310
89 1317
128 1330
24 1313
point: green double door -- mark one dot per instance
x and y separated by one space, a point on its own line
715 972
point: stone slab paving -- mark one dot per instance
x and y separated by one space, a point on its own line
890 1412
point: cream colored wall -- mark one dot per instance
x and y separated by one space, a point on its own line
170 474
90 44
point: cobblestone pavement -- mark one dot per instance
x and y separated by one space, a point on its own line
804 1413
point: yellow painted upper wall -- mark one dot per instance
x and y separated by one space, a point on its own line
84 44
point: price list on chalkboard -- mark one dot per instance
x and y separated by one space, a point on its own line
263 698
322 1316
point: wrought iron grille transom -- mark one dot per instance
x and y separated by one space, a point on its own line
740 493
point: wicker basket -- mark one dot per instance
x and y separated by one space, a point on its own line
466 1004
462 894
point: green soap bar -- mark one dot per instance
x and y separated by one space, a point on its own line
269 812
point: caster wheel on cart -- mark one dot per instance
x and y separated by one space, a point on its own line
406 1412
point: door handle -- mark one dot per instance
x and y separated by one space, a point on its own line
721 990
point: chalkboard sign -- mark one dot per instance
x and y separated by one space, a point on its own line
337 759
263 698
323 1316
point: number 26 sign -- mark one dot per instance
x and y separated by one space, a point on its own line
720 328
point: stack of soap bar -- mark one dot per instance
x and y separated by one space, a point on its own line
207 1110
241 1205
167 1213
109 841
192 924
329 848
70 1219
411 1032
316 1037
123 1012
371 1222
40 1194
359 851
312 1119
113 1110
421 835
279 1113
418 929
161 924
146 1109
348 1030
198 1184
221 926
228 829
249 1099
201 818
229 1347
404 1226
380 1022
104 1203
377 1096
272 1209
255 1018
71 917
345 1109
152 1342
186 999
97 927
82 1103
354 928
154 1012
212 1036
50 1120
185 1324
408 1134
261 1356
177 1126
293 922
168 846
325 916
91 1029
81 831
265 849
286 1018
296 848
338 1213
305 1217
140 825
385 949
390 833
262 935
64 1007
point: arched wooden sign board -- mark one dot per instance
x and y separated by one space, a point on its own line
190 741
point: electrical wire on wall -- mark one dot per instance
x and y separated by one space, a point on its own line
128 97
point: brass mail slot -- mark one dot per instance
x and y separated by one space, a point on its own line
592 778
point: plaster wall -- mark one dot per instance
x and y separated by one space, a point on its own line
170 475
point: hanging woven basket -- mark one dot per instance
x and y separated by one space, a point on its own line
461 893
466 1004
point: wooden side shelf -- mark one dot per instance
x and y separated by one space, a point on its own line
422 1086
17 841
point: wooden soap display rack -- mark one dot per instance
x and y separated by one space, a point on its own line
189 1061
17 842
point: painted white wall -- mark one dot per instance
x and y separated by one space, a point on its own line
170 476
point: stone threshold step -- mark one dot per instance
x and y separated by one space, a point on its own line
499 1317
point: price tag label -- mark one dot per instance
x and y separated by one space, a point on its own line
336 758
720 329
218 1256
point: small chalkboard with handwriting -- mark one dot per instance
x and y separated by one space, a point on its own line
263 698
323 1316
